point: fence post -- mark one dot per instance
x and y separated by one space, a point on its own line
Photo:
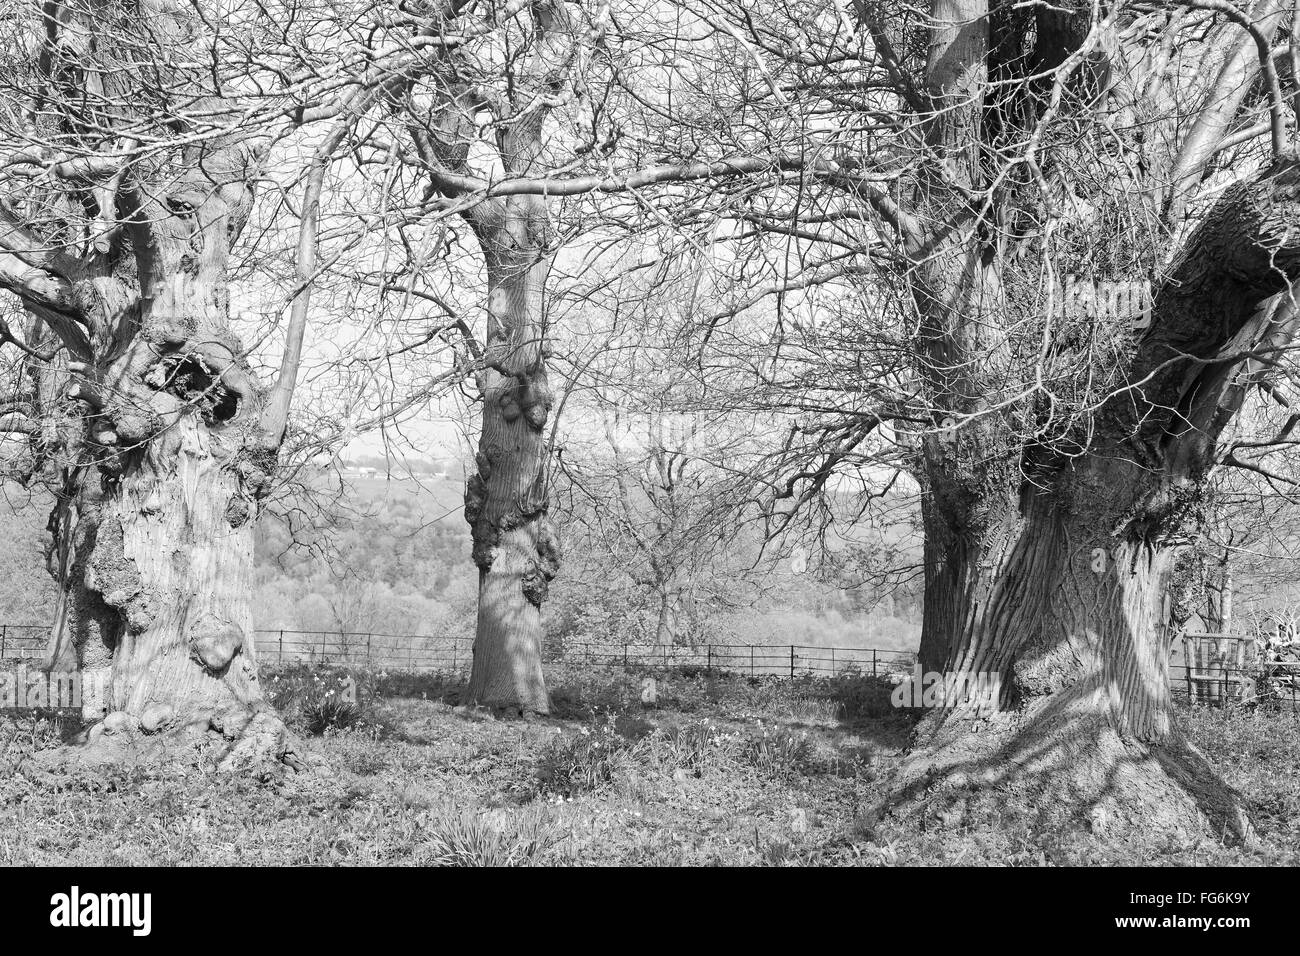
368 636
4 629
873 662
832 662
710 667
455 658
280 658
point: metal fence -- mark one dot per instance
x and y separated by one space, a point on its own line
1219 684
753 660
23 642
416 652
1212 669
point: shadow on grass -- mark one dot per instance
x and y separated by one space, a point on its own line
855 703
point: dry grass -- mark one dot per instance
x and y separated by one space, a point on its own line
725 771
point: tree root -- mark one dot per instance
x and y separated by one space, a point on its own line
237 739
1062 775
258 737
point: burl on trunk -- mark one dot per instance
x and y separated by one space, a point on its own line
153 530
506 499
163 440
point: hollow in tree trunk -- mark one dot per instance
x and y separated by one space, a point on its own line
153 529
165 439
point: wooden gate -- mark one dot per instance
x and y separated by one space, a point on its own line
1218 667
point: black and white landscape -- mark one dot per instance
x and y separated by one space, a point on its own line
695 432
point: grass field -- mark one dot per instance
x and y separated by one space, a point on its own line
724 771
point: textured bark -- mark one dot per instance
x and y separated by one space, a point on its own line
186 543
1051 572
1048 597
156 410
506 499
154 534
1075 622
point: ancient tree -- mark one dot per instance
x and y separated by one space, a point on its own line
134 135
1079 221
1070 145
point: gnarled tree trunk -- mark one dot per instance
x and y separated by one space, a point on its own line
506 499
515 548
1071 620
1050 572
166 440
154 536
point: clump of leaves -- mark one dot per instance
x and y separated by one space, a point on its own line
780 754
320 715
810 707
862 696
470 838
318 698
583 763
692 748
776 852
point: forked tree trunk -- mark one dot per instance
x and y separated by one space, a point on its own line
506 499
1050 573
